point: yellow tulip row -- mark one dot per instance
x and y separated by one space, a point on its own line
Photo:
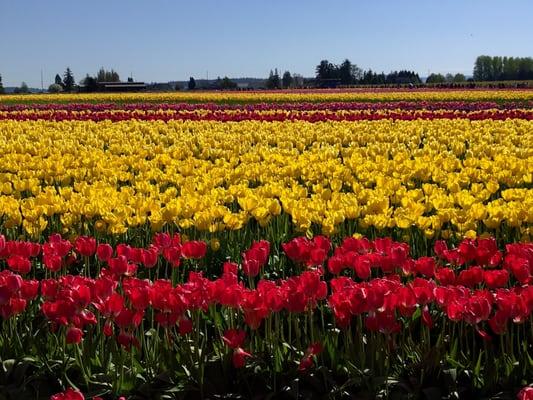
276 96
437 176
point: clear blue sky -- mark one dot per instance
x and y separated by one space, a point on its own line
162 40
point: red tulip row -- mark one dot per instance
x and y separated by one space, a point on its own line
359 255
270 116
473 282
93 294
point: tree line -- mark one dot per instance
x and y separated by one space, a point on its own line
487 68
90 83
327 74
286 81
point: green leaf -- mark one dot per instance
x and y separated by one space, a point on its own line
416 314
477 368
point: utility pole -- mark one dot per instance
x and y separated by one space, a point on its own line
42 86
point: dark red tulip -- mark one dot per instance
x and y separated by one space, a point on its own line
193 249
69 394
104 252
85 246
234 338
239 357
19 264
74 335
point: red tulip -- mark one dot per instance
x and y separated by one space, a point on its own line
173 255
118 266
250 267
124 250
519 266
239 357
445 276
496 278
336 264
362 267
306 363
487 252
426 317
185 326
525 394
85 245
127 340
149 256
230 268
297 249
425 266
194 249
19 264
320 247
307 360
52 262
108 329
162 240
69 394
29 289
440 248
74 335
255 258
470 277
234 338
104 252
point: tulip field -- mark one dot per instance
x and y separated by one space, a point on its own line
340 244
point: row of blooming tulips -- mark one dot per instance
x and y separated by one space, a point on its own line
267 116
289 96
300 106
359 309
435 179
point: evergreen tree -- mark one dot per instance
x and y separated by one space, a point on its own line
23 88
58 80
348 73
90 83
192 84
68 80
273 81
227 83
326 70
286 80
2 91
